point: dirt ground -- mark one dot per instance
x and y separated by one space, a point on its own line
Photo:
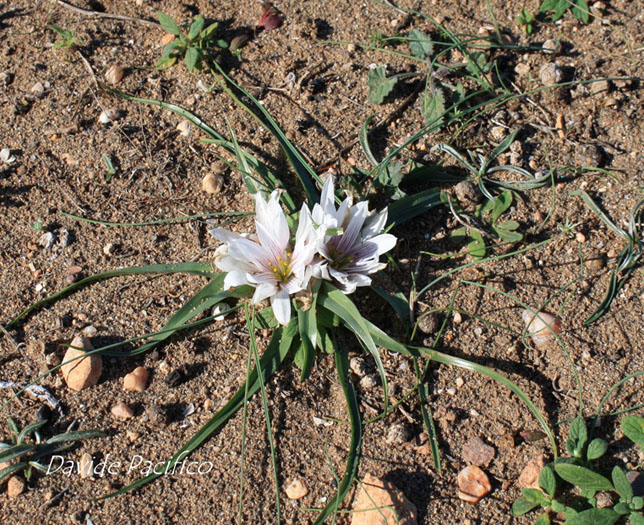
317 92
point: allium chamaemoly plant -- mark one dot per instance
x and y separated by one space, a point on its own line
307 269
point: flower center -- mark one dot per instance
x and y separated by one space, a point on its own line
339 260
281 268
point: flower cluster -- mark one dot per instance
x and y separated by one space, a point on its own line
341 244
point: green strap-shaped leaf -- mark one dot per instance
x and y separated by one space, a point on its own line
363 139
334 300
198 268
411 206
344 376
307 325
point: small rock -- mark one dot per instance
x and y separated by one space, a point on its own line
457 318
110 115
398 433
74 274
374 502
136 380
550 74
15 486
296 489
121 411
596 263
542 326
522 69
90 331
551 46
358 366
581 238
6 156
529 477
428 323
114 75
459 382
466 191
368 382
168 38
498 132
351 47
156 415
219 311
109 249
477 452
602 86
636 479
212 184
132 436
473 484
604 500
85 465
184 128
81 372
38 89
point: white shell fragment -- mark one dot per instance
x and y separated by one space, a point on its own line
218 311
184 128
109 115
541 326
6 156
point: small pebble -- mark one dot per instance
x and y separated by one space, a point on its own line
136 380
451 391
550 74
368 382
522 69
602 86
168 38
114 75
156 415
184 128
529 477
457 318
121 411
581 238
296 489
588 155
498 132
543 327
90 331
85 465
218 311
466 192
398 433
379 502
459 382
82 372
109 115
15 486
358 366
473 484
551 46
212 184
351 47
478 452
109 249
132 436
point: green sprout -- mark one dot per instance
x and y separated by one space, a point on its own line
192 44
525 20
67 41
28 446
579 9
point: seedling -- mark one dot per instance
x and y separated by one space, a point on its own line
67 41
111 171
579 9
192 42
30 453
578 471
525 20
36 225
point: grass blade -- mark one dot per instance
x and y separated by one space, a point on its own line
411 206
342 367
197 268
270 361
363 138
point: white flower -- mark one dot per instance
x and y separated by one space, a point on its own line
270 265
349 257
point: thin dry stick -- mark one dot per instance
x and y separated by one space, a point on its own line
98 14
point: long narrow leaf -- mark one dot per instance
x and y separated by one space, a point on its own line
411 206
344 376
334 300
197 268
363 138
305 173
382 339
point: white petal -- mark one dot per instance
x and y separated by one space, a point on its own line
270 241
281 304
374 224
271 217
385 242
224 235
264 291
230 264
327 198
352 231
249 251
234 279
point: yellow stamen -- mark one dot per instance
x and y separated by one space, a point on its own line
270 263
279 257
289 254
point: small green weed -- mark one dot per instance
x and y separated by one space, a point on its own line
577 470
525 20
579 9
192 42
31 453
67 39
